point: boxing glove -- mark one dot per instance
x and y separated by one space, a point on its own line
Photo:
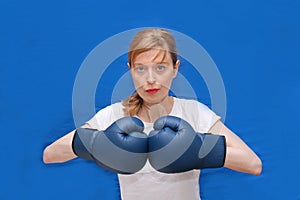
175 147
121 148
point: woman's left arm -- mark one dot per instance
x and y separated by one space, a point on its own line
239 156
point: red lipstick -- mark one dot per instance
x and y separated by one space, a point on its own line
152 91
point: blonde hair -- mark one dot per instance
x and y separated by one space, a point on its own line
152 38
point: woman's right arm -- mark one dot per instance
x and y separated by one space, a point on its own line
61 150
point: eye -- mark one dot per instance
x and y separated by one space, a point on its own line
139 68
160 68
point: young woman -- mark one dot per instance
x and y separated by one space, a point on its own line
153 64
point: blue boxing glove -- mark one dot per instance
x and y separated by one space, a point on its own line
175 147
121 148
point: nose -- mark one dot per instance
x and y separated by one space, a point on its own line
150 77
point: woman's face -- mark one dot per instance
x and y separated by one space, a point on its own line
152 74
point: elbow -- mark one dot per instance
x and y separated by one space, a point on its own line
256 167
47 156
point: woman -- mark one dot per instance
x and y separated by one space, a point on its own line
153 64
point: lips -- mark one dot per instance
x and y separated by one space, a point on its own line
152 90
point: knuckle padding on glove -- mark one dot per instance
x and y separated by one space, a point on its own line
120 148
208 156
175 147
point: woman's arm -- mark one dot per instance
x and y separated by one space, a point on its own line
61 150
239 156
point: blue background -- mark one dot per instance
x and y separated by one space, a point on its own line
255 45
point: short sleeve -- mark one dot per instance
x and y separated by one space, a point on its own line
106 116
198 115
206 118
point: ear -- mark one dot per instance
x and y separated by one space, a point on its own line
128 65
175 68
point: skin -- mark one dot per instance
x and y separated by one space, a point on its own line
150 71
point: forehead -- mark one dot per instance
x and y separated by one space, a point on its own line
153 56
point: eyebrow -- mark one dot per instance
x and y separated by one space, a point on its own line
155 63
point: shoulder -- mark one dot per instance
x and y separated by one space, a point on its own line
114 111
106 116
196 113
191 104
115 107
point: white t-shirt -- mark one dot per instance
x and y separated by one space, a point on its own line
148 183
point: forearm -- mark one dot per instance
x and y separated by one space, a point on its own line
60 150
239 156
243 161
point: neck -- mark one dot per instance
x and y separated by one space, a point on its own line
151 112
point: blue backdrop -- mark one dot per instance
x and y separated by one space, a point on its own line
255 45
